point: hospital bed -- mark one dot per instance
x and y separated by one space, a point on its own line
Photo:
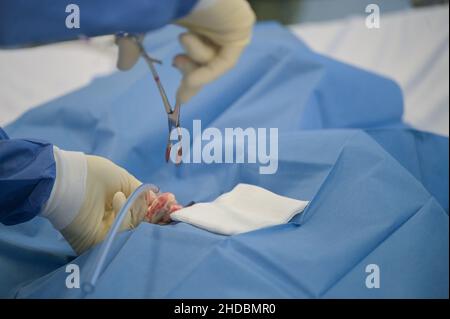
376 196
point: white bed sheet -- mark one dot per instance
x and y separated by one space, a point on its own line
32 76
410 47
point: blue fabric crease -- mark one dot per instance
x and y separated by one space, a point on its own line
378 188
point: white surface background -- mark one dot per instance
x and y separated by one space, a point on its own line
411 47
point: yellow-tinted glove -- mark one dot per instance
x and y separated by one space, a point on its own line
87 196
218 31
129 52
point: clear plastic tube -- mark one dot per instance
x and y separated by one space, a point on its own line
88 285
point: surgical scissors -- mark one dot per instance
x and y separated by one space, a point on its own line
173 115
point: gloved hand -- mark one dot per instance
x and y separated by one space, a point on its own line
218 31
88 193
160 207
129 52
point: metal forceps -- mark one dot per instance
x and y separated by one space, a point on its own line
173 115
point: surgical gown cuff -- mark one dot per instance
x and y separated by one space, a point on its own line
68 191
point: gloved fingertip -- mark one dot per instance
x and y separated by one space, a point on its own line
179 61
124 64
128 53
183 96
138 211
119 200
184 64
175 207
199 50
186 92
150 196
182 36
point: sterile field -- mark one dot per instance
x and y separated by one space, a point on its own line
315 167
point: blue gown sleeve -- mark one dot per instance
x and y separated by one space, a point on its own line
25 22
27 174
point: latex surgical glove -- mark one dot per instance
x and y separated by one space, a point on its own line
160 208
87 195
218 31
129 52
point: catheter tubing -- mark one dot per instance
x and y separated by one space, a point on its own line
89 285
